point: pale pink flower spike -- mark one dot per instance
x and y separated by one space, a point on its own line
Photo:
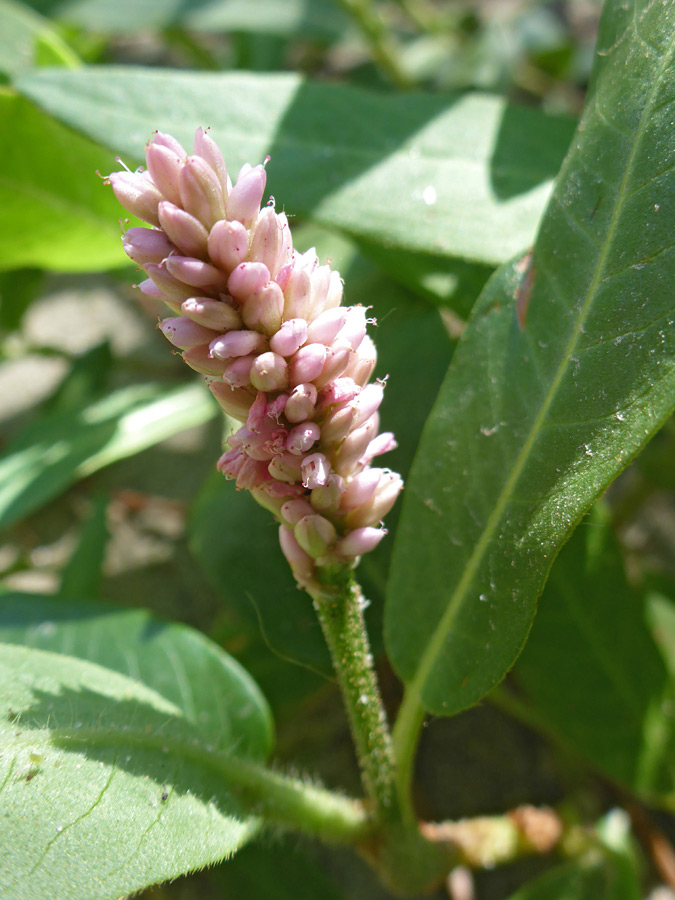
280 354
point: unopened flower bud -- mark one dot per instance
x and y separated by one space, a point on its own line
285 467
300 404
354 446
201 193
267 244
378 505
196 273
359 541
262 309
298 295
164 165
326 497
269 372
186 232
307 363
244 200
362 364
185 334
247 278
290 337
294 510
199 359
301 563
170 287
238 372
228 244
146 245
324 329
206 147
234 401
137 194
211 313
315 535
237 343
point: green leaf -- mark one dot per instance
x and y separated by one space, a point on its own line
27 40
661 619
597 876
18 289
460 176
59 449
533 422
107 786
82 575
54 212
578 668
211 689
320 18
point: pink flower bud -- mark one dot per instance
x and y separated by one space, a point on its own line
300 404
340 391
206 147
359 541
335 291
354 446
298 295
294 510
198 358
307 363
354 329
160 138
247 278
320 279
302 565
137 194
383 443
326 498
238 372
290 337
326 326
262 309
237 343
337 424
361 488
146 245
267 244
211 313
185 334
362 364
303 437
371 511
228 244
244 200
338 358
196 273
315 470
234 401
164 166
201 193
150 289
269 372
315 535
367 402
186 232
170 287
285 468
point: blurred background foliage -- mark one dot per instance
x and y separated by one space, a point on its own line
107 482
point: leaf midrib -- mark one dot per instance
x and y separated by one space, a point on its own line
435 645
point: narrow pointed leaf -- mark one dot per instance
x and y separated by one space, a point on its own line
50 455
566 370
461 176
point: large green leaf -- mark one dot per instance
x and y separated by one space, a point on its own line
53 213
579 668
565 371
52 453
319 18
460 176
111 782
189 671
26 40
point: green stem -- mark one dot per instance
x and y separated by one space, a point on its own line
384 47
406 736
276 798
339 604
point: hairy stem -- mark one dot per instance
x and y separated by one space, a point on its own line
276 798
339 604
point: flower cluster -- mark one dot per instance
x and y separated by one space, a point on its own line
265 326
